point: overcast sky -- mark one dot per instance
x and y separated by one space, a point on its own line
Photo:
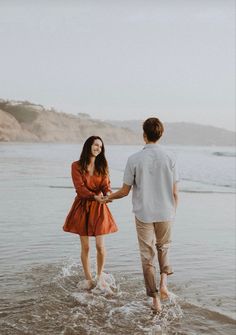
122 59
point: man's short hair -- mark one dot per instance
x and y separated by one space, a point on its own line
153 128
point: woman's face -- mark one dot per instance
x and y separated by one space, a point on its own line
96 148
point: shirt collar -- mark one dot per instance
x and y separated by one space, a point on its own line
151 145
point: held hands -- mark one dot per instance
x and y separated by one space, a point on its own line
103 199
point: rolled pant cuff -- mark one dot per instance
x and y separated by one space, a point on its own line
168 270
152 294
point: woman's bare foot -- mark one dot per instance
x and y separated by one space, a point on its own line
102 284
156 305
164 293
90 284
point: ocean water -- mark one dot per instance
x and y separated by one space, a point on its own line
41 279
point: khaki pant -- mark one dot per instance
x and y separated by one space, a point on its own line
154 241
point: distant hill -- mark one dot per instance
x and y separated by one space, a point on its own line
28 122
182 133
24 121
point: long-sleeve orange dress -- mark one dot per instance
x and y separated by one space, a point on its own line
87 216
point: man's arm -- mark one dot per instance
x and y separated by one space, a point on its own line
122 192
176 194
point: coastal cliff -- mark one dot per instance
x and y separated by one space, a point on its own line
23 121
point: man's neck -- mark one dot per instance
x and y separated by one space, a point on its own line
148 142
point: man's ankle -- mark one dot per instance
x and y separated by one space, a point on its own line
156 298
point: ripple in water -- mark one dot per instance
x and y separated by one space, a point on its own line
57 302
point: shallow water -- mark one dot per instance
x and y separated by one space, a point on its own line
48 301
40 266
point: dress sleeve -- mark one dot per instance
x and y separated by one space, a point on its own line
80 187
106 185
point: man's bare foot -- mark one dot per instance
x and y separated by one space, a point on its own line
156 305
164 293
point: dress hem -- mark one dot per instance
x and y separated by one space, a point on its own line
72 232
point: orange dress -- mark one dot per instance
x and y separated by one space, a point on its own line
87 216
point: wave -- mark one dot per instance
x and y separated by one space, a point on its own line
208 191
210 313
219 186
71 187
230 190
224 154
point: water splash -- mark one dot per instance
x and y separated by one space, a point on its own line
171 311
53 304
106 285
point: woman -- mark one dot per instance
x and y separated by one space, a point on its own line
88 217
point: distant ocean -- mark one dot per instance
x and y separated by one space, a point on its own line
40 265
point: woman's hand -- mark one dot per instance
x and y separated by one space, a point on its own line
102 199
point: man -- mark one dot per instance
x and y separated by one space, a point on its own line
153 174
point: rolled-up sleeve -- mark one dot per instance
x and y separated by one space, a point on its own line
175 170
129 174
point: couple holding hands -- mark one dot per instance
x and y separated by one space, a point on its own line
152 173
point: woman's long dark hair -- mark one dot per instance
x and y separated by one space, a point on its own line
101 166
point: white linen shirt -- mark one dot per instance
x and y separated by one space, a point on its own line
153 173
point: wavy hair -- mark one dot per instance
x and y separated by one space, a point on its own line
101 166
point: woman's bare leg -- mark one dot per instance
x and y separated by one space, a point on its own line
85 256
101 254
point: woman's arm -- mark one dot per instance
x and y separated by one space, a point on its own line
106 186
80 187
